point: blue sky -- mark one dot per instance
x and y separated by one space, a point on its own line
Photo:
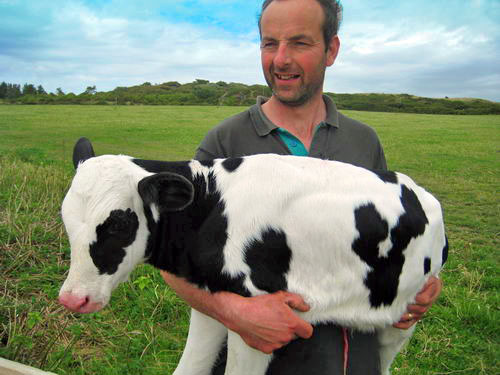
430 48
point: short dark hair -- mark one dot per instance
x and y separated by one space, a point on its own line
333 17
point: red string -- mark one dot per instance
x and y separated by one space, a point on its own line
346 349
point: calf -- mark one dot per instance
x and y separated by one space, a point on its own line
356 244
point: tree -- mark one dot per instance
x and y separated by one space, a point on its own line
3 90
90 90
59 91
13 91
29 89
172 84
40 90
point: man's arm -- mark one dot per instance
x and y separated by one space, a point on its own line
265 322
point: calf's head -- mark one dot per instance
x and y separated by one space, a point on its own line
107 224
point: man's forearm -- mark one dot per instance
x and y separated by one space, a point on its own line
265 322
205 302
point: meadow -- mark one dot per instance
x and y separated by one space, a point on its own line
143 329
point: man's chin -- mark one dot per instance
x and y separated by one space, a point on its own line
292 101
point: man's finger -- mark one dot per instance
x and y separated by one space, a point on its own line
431 291
404 325
407 320
304 330
418 310
296 302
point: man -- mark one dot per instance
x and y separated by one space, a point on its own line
298 42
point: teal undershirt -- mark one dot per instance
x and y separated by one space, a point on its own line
295 146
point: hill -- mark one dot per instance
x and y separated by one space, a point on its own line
204 92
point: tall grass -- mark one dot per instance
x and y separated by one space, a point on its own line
144 328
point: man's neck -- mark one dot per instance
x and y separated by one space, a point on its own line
300 120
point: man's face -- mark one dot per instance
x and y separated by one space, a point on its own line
293 52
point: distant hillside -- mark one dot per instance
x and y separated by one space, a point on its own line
414 104
203 92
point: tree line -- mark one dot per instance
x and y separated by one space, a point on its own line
204 92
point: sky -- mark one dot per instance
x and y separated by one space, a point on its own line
432 48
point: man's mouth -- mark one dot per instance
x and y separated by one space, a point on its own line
287 77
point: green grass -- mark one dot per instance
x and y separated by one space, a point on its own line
153 132
144 328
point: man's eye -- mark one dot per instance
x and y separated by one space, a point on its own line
268 45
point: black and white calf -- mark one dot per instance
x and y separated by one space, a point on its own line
356 244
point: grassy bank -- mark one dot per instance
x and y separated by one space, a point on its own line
143 330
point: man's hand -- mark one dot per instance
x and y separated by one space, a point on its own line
266 322
424 300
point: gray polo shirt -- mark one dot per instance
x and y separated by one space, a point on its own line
337 138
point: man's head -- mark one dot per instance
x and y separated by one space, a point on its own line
298 42
332 10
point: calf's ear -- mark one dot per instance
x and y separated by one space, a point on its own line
169 191
82 151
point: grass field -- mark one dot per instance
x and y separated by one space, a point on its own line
143 330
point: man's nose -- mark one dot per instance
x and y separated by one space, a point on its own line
283 56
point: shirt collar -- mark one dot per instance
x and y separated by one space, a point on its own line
264 126
332 115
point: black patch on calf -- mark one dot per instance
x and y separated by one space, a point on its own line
232 164
212 183
413 221
208 258
207 163
116 233
190 243
219 366
427 265
386 176
383 279
269 260
156 166
372 230
445 251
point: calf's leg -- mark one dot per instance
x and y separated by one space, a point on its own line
391 341
242 359
205 339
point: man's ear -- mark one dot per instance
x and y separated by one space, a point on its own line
333 50
169 191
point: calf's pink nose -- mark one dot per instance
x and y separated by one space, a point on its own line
72 302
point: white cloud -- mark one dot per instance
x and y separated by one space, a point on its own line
87 48
76 45
430 60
